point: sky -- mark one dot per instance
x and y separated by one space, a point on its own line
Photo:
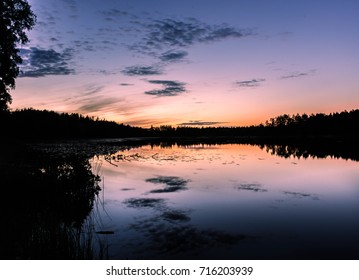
191 62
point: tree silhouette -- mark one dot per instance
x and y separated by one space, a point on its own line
15 18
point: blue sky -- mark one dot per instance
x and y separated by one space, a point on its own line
191 62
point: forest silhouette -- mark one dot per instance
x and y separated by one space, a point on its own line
31 124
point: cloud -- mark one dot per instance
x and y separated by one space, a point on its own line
43 62
139 70
92 89
126 84
217 33
294 75
167 83
173 56
170 88
183 33
71 4
95 104
114 13
148 121
249 83
199 123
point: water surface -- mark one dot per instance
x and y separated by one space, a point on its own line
231 201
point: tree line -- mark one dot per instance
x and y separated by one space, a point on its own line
342 124
43 124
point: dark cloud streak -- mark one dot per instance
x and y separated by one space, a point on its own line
170 88
250 83
139 70
199 123
173 56
297 75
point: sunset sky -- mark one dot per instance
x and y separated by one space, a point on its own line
191 62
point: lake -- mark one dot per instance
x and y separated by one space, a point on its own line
183 201
228 202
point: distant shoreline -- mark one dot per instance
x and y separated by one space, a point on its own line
36 125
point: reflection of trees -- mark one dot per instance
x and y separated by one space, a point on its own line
285 151
49 199
314 149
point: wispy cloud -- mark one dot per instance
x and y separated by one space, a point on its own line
140 70
250 83
113 14
148 121
43 62
96 104
170 88
199 123
173 56
71 4
294 75
92 89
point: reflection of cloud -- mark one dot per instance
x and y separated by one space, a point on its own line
171 88
301 195
170 189
252 187
171 237
173 56
294 75
127 189
172 181
173 184
175 216
144 202
41 62
249 83
168 233
142 70
199 123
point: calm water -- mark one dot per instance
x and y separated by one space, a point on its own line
94 200
228 201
